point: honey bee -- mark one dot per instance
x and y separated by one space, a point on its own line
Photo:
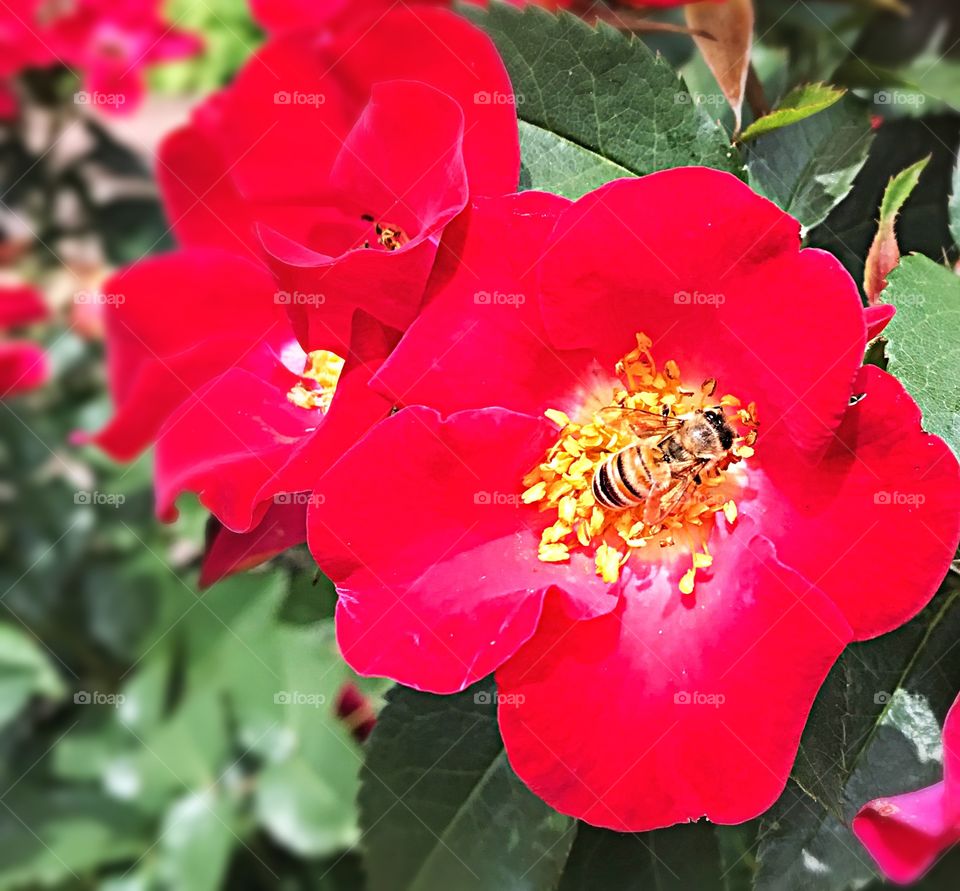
671 455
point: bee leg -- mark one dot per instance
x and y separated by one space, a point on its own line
660 476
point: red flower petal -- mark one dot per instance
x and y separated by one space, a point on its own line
242 446
23 366
283 526
480 339
878 513
21 305
443 583
435 46
164 343
714 275
225 443
878 317
687 709
402 165
906 833
281 122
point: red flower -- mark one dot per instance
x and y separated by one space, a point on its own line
683 655
107 42
341 159
239 413
350 191
23 365
906 833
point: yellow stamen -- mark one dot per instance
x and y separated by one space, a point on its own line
609 561
562 482
322 371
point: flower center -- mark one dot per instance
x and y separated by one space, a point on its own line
389 235
648 467
318 383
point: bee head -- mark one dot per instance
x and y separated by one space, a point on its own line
716 418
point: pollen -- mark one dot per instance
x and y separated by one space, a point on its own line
318 381
561 484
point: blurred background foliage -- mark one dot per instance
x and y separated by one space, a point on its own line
156 737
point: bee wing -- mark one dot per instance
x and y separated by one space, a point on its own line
683 476
641 423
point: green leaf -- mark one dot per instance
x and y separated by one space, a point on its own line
132 228
195 843
874 730
884 253
602 92
809 168
440 806
798 105
924 341
554 164
674 859
25 672
50 836
923 227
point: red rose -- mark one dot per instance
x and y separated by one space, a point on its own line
682 651
906 833
107 43
340 160
343 182
238 412
23 365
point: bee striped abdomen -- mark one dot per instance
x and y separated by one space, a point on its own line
618 484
